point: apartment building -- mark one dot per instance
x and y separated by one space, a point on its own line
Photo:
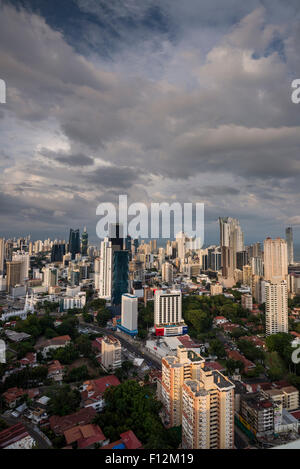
111 353
200 399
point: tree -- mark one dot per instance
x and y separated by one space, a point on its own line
63 400
232 365
217 348
102 317
129 406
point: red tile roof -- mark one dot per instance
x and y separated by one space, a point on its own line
102 384
84 435
130 440
60 424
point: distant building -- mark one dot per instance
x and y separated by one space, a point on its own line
74 243
216 289
290 244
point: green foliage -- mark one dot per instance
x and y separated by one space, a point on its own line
77 374
276 368
131 407
217 348
145 318
102 317
65 355
64 400
26 378
251 351
68 327
84 345
232 365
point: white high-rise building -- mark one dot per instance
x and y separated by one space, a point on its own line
275 260
276 307
181 240
106 260
129 314
167 307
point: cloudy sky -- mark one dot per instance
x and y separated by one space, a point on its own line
163 100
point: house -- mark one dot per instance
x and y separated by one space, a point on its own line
13 396
128 440
16 437
53 344
92 392
236 356
218 320
85 436
60 424
56 371
29 360
259 343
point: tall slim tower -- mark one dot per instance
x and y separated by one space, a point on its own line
2 255
105 277
290 244
231 242
84 242
276 290
74 242
277 318
275 260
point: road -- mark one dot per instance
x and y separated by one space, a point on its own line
132 346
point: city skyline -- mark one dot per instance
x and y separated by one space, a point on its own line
135 98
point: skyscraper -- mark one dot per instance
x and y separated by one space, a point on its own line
105 276
276 307
120 276
290 244
14 269
231 242
276 290
2 255
275 260
74 243
57 252
84 242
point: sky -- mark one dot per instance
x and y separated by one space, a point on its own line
162 100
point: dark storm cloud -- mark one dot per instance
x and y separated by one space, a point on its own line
113 177
68 159
170 100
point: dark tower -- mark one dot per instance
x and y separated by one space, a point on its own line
74 243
